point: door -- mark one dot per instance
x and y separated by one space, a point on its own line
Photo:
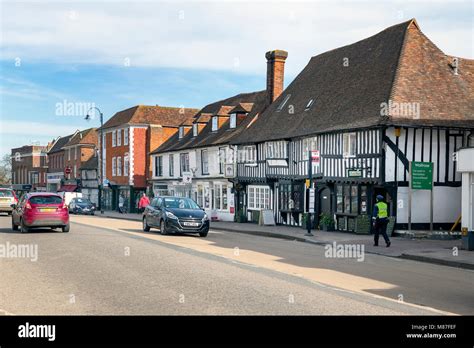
325 201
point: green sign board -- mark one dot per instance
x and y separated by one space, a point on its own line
422 175
354 173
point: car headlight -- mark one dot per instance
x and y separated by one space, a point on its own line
205 217
171 215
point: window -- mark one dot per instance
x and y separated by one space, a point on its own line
309 105
184 163
222 158
181 132
159 166
125 136
220 197
204 162
349 144
248 154
119 137
114 166
259 197
195 130
309 144
119 166
291 197
276 149
347 199
282 105
114 138
233 121
171 165
215 123
126 164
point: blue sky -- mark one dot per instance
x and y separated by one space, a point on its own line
116 54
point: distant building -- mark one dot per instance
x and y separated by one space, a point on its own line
90 180
57 163
29 166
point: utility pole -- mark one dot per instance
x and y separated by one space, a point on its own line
310 196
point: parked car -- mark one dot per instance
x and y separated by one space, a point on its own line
175 215
7 198
40 210
81 206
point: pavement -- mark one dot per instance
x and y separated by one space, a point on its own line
110 266
446 252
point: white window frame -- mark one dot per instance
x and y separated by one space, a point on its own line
259 197
349 145
276 150
248 154
171 165
114 138
119 166
195 129
233 120
181 132
114 166
219 189
215 123
126 165
159 166
204 163
119 137
125 136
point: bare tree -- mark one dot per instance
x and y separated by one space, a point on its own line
5 170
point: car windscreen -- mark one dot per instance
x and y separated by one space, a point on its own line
83 201
180 203
6 193
46 200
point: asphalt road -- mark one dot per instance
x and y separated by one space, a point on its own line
106 266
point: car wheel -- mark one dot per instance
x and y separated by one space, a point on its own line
203 234
23 228
66 228
14 227
146 228
163 228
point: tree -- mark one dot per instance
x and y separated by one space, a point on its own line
6 170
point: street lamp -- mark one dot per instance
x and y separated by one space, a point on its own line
88 117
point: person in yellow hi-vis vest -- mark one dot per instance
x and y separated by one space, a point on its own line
380 221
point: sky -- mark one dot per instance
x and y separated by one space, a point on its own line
60 57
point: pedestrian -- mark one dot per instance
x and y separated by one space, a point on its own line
380 221
121 203
143 203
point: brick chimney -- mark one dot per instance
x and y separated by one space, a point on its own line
275 73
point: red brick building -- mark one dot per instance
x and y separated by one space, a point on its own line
29 166
129 136
78 150
57 163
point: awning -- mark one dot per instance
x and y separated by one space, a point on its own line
67 188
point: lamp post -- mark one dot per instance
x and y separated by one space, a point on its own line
88 117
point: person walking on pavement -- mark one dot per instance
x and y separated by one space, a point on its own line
380 221
144 202
121 203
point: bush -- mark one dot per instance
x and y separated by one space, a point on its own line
326 220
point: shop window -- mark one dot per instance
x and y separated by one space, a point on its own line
259 197
347 199
363 199
354 199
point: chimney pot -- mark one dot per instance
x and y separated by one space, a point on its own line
275 73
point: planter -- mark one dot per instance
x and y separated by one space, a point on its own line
327 228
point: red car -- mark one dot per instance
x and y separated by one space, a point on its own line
40 210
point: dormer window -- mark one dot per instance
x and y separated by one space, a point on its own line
309 105
181 132
233 121
214 123
282 105
195 130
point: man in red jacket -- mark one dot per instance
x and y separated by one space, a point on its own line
143 203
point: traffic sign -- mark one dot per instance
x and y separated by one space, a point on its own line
315 156
67 170
422 175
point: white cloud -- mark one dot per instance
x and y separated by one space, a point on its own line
211 35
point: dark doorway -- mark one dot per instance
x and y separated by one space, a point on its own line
325 201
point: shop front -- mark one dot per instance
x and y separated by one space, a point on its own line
53 181
291 202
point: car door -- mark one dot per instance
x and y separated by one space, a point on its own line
151 213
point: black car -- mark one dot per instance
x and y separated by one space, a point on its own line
81 206
175 215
